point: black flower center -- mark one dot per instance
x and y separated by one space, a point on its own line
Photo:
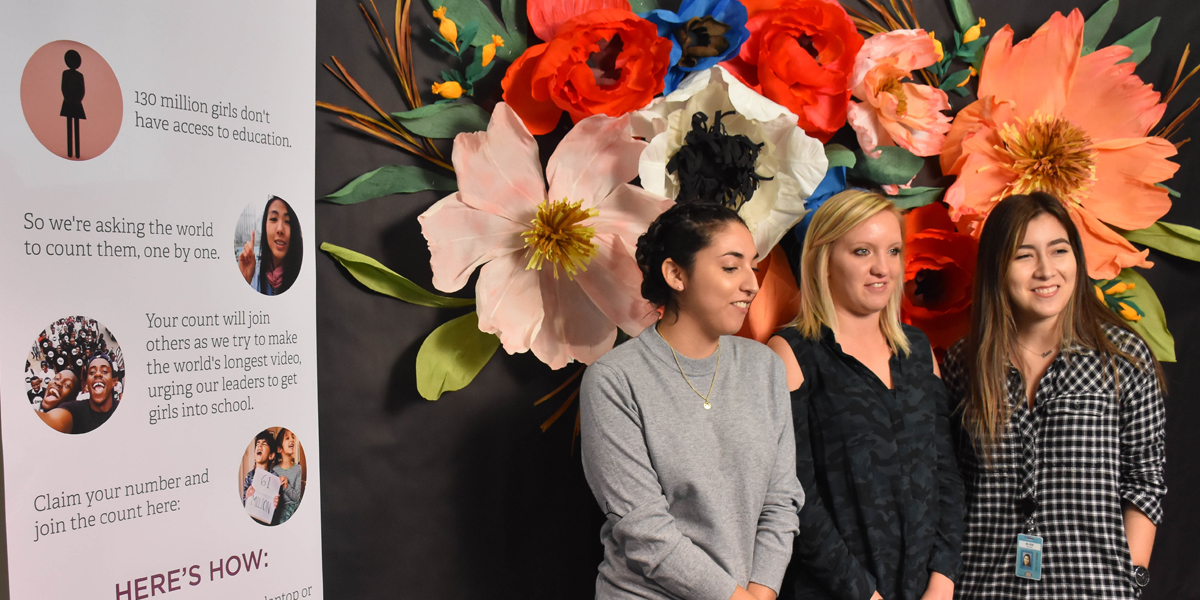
603 62
926 289
806 42
714 166
701 37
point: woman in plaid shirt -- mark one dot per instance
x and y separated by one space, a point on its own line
1061 438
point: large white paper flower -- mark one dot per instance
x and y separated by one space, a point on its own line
794 162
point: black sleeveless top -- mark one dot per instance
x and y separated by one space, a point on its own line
883 495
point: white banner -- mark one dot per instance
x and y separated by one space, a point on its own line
157 310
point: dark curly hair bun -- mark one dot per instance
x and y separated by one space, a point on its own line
677 234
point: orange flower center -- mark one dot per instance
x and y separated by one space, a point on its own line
559 237
1048 154
894 87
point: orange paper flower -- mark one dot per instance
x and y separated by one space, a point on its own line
939 272
778 298
606 61
1075 127
801 54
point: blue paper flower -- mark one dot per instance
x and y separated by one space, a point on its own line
703 33
833 183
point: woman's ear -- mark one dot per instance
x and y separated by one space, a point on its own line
674 275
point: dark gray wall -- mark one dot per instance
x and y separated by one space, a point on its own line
466 497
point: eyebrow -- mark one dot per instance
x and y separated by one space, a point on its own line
736 254
1052 243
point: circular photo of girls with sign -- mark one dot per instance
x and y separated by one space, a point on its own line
271 480
268 246
74 375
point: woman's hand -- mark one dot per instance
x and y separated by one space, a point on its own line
249 492
283 483
940 588
876 596
246 259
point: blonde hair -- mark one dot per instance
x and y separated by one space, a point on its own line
836 217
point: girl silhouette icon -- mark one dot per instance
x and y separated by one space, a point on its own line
72 106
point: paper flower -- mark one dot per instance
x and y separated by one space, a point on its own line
730 120
489 50
801 54
777 301
558 273
895 111
939 274
606 61
1075 127
546 16
703 33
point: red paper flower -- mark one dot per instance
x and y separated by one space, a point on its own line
939 273
605 61
801 54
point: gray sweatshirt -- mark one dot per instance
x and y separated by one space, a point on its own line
697 501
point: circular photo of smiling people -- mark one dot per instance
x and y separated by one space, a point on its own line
268 246
74 375
272 478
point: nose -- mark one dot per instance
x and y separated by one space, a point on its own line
750 283
1042 268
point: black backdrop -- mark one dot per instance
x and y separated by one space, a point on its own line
466 497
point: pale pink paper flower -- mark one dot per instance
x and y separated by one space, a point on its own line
559 274
895 112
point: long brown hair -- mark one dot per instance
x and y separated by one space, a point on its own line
992 341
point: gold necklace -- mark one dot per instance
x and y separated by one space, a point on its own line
703 397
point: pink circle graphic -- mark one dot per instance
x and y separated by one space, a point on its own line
71 100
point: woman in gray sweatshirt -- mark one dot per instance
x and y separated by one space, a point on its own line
687 430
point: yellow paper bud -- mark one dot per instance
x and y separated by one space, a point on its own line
447 27
450 89
972 34
489 50
1120 288
937 47
1128 312
972 72
1099 293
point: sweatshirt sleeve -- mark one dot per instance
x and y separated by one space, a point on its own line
779 521
617 465
1143 446
819 548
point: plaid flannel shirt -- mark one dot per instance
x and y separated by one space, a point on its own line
1090 442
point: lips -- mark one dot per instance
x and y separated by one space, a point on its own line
1046 291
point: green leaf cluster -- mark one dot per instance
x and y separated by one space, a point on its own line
1141 298
1138 40
474 70
894 166
374 275
970 53
486 25
1178 240
916 197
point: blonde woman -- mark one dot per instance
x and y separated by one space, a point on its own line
1063 418
883 517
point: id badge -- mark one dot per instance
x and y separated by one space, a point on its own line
1029 557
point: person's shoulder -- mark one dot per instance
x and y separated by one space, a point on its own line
624 355
1129 342
955 356
916 337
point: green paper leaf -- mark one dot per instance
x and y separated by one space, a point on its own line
508 11
466 33
839 156
465 11
392 179
952 80
444 121
453 355
1139 40
962 91
895 166
1170 192
1179 240
1097 25
446 47
1153 326
963 15
969 49
374 275
644 6
916 196
476 71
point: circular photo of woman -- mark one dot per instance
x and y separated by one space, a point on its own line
272 476
74 375
269 246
